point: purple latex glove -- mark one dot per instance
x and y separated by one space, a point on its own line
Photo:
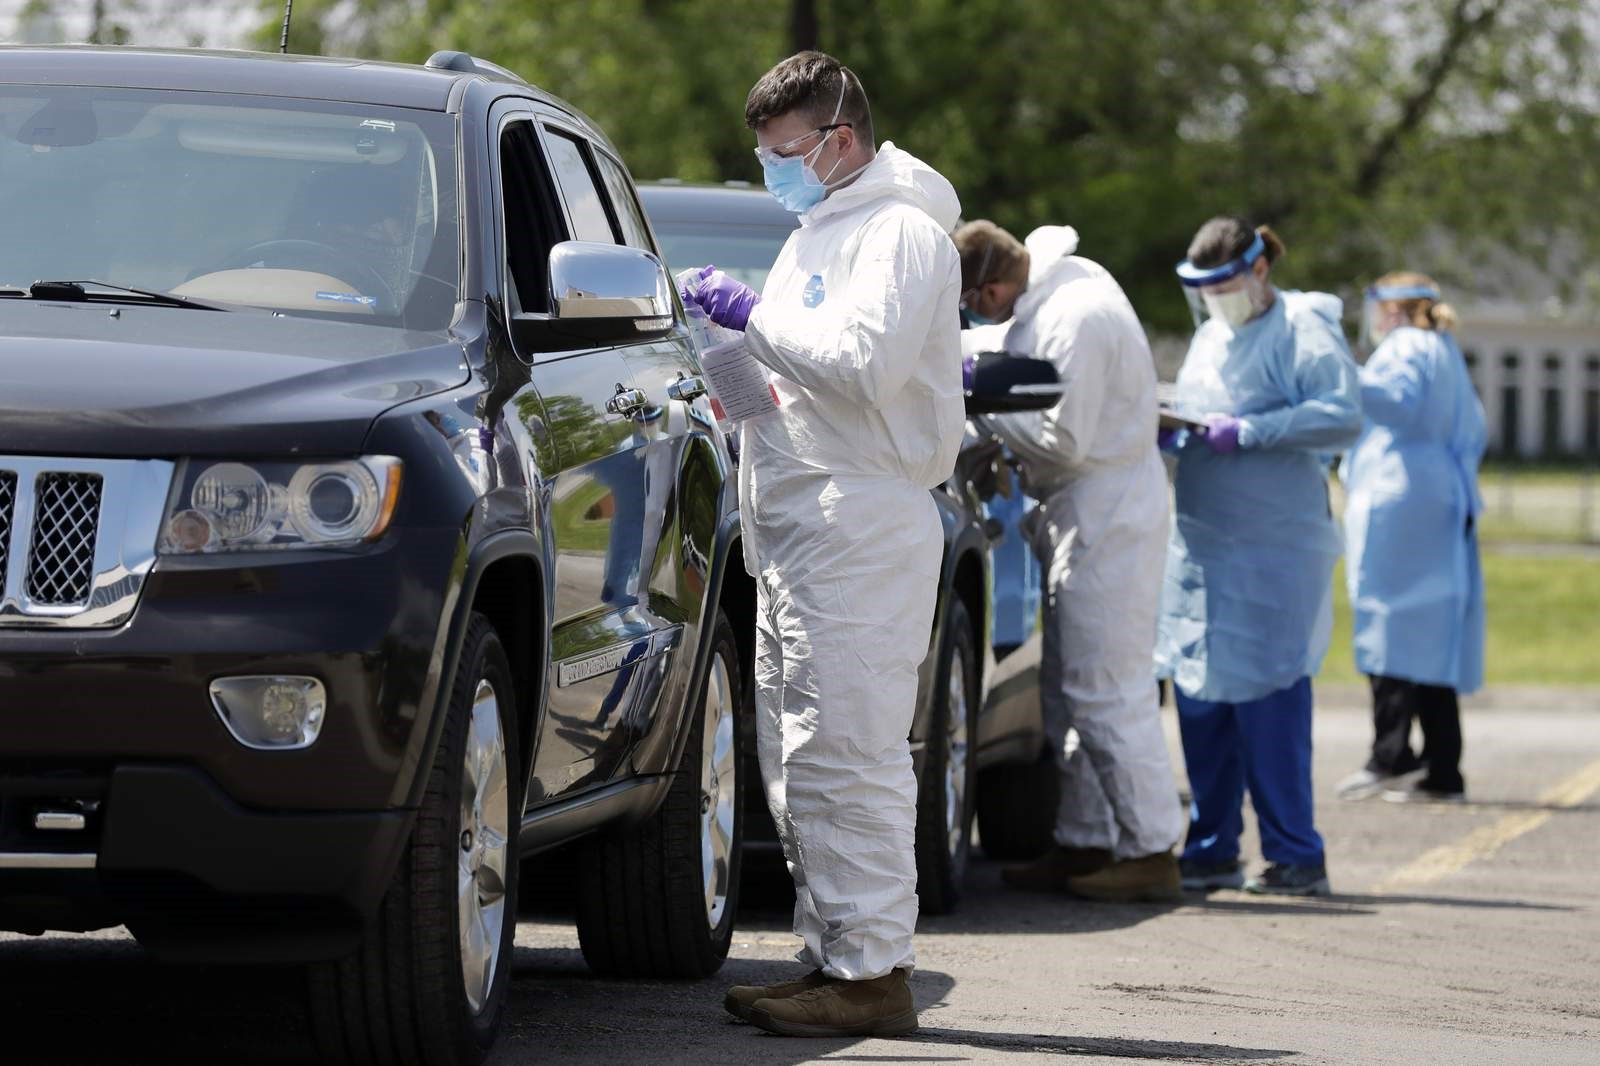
725 301
969 365
1222 433
1167 439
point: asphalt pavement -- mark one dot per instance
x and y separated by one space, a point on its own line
1458 935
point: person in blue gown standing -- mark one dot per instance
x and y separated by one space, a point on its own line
1410 519
1246 613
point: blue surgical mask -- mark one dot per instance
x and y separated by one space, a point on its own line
793 183
975 319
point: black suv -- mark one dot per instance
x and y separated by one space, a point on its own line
977 740
363 531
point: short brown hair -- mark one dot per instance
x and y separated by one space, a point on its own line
989 253
809 82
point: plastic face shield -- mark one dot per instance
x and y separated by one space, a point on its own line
1229 277
1373 326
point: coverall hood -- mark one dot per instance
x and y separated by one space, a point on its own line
1050 251
894 173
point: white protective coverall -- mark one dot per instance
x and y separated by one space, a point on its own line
859 324
1092 462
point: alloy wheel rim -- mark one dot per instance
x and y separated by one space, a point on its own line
717 780
955 764
484 847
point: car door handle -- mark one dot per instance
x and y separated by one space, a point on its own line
628 402
686 389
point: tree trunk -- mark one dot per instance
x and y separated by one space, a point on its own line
804 32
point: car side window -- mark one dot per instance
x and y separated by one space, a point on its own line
590 222
531 211
635 233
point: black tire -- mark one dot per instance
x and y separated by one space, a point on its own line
401 998
642 899
941 865
1017 809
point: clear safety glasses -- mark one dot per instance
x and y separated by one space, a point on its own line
786 150
1377 317
1229 278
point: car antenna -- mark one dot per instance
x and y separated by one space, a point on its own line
283 38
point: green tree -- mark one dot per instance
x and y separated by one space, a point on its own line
1362 129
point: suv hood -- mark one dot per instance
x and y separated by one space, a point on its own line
155 382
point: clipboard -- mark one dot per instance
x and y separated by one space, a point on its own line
1170 419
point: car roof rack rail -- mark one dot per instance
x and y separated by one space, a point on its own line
448 59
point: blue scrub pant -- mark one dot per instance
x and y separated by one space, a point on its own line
1263 745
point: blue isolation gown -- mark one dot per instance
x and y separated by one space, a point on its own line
1410 517
1246 605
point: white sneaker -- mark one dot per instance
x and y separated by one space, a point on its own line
1363 784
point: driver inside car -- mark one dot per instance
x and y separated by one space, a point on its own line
360 212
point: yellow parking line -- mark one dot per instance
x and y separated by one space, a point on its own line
1486 840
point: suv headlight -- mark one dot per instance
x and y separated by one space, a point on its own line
236 506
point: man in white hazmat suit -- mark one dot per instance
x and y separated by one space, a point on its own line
858 324
1093 463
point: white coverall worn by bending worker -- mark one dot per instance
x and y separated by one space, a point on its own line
1093 463
859 325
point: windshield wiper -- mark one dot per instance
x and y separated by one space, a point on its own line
80 291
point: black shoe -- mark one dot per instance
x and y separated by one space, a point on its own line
1284 879
1205 876
1425 791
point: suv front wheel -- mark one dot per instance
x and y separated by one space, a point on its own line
658 899
428 983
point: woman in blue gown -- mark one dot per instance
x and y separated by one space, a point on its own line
1410 519
1246 612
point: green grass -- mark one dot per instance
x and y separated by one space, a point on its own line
1544 622
1533 505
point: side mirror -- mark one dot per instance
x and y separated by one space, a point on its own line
1002 382
600 295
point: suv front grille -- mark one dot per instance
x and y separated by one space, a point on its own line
8 503
66 521
77 538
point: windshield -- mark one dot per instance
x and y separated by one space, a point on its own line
304 207
745 253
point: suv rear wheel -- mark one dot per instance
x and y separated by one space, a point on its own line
658 899
949 770
427 986
1017 809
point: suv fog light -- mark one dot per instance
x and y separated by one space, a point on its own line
275 713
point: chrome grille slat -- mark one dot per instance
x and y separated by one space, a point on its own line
66 524
8 503
77 538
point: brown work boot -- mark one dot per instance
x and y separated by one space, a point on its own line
741 998
879 1007
1149 879
1051 871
